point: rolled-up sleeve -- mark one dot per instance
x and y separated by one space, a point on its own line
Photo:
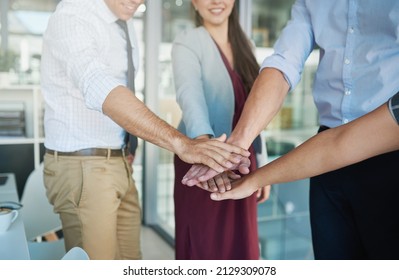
294 45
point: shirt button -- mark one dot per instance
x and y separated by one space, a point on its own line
351 30
347 92
345 121
347 61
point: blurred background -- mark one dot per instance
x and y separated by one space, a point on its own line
284 228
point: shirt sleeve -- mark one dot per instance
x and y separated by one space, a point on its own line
77 42
393 105
293 46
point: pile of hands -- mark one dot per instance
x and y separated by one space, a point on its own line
227 184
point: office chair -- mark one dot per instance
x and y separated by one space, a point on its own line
40 219
76 253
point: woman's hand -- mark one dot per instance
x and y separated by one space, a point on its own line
263 194
220 183
241 188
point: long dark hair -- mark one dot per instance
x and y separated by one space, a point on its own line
244 59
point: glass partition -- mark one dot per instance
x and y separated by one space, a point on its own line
23 23
176 16
284 227
268 19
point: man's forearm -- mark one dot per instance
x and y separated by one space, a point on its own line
119 106
264 101
131 114
368 136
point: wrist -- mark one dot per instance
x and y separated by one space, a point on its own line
237 141
179 144
253 181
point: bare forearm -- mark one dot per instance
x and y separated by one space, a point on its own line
131 114
264 101
371 135
119 106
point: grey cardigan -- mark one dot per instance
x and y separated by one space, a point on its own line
204 90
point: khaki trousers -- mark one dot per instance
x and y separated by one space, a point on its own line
98 204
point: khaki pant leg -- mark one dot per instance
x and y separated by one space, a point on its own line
88 193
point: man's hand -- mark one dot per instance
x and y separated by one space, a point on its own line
201 173
213 153
130 158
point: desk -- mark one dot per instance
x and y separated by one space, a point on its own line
10 185
13 243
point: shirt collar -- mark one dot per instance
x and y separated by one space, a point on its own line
105 12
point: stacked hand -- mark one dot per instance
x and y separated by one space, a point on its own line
199 173
242 188
229 185
211 154
225 185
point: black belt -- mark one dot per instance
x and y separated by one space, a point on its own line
322 128
90 152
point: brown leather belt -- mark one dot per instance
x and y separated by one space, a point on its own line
90 152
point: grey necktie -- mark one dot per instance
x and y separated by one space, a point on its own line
129 139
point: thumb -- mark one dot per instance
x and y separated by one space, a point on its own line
222 138
221 196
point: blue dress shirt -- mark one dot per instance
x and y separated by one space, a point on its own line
359 54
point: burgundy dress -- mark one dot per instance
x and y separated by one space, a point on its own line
215 230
